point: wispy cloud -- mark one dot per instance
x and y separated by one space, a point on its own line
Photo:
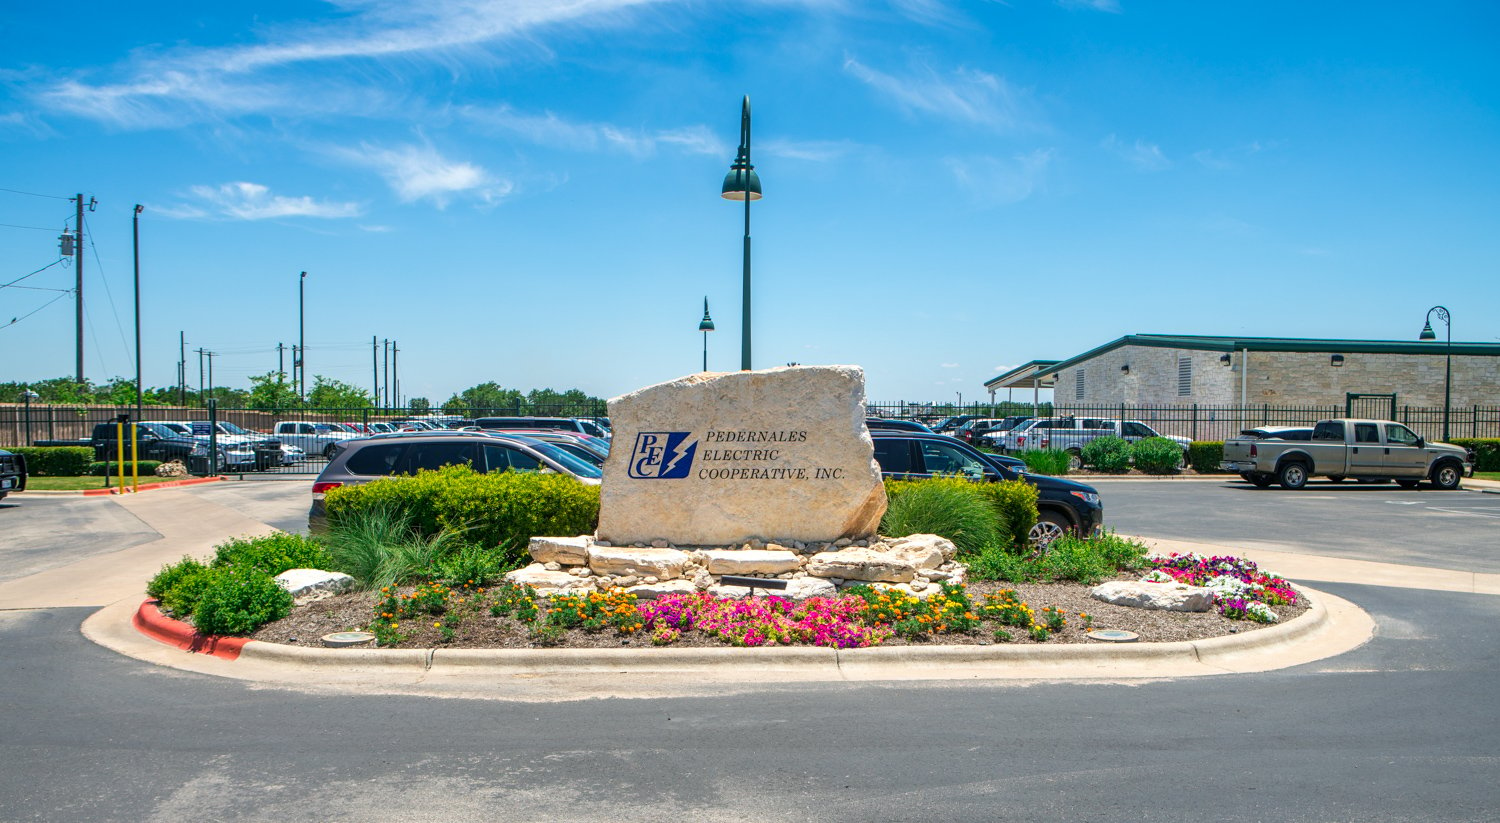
814 151
1002 180
420 172
1221 160
950 365
181 85
548 129
964 95
1111 6
253 201
1140 154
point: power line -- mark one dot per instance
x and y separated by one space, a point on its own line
15 320
108 293
38 271
34 194
14 226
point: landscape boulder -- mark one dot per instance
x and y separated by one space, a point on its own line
1140 594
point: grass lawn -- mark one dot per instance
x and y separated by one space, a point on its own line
1487 475
78 483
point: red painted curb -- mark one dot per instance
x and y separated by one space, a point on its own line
149 620
170 484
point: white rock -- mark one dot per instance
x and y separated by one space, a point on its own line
547 582
907 588
926 551
301 583
568 551
552 566
862 564
721 459
748 561
664 564
1176 597
651 591
660 544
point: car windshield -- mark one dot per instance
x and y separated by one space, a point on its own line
158 429
233 429
576 465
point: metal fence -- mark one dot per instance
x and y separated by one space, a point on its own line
53 425
1200 422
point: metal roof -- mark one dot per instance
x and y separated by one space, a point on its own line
1284 344
1022 376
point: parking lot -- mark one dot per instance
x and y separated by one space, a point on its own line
1380 522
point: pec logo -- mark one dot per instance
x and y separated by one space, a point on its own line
662 456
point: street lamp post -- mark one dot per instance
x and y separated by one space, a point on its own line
742 183
28 396
1427 334
705 325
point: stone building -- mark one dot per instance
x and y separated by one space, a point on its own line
1166 370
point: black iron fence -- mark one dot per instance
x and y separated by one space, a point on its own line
1201 422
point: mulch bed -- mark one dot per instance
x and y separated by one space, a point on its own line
478 630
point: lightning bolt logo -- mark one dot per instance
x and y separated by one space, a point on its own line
662 455
678 452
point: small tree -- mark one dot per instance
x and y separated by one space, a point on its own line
328 393
272 391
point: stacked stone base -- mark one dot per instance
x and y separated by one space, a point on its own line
915 565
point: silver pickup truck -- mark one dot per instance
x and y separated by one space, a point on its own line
1367 450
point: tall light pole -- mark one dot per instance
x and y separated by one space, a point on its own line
705 325
135 236
1427 334
28 396
742 183
299 363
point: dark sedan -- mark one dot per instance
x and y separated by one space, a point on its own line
1063 506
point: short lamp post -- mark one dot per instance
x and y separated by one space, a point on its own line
742 183
1427 334
705 325
26 397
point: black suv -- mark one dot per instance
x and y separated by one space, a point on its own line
153 441
1063 506
12 472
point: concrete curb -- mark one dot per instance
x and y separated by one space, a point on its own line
1333 630
102 492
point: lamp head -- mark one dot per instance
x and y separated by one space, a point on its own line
741 179
707 323
1427 333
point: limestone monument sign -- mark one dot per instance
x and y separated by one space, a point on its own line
720 459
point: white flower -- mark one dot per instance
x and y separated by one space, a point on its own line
1156 576
1260 611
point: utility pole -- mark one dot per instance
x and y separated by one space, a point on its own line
200 376
78 277
300 362
210 374
385 359
280 362
135 236
374 370
395 374
182 368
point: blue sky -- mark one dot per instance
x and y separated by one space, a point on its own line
528 192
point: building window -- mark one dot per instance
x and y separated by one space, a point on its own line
1184 376
1078 385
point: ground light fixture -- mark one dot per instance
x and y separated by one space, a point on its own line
705 325
742 183
1428 335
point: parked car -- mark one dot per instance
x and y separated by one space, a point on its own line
153 441
313 438
561 423
273 451
1339 448
1279 433
1071 434
873 423
1063 506
950 424
590 448
384 455
974 431
12 473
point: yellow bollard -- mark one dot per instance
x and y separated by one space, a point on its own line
135 460
119 453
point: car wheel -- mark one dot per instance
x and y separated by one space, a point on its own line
1292 476
1050 525
1446 476
1335 478
1407 482
1075 460
328 451
1261 481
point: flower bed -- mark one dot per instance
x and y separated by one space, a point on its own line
472 616
1241 589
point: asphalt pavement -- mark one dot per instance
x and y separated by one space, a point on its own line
1402 728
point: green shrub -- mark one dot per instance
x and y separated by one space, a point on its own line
1107 454
998 563
181 600
469 566
272 553
949 506
1046 461
1085 559
1206 455
501 509
169 576
1486 451
144 468
55 461
1157 455
1014 502
239 600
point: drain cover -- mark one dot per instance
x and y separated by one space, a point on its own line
341 639
1114 636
